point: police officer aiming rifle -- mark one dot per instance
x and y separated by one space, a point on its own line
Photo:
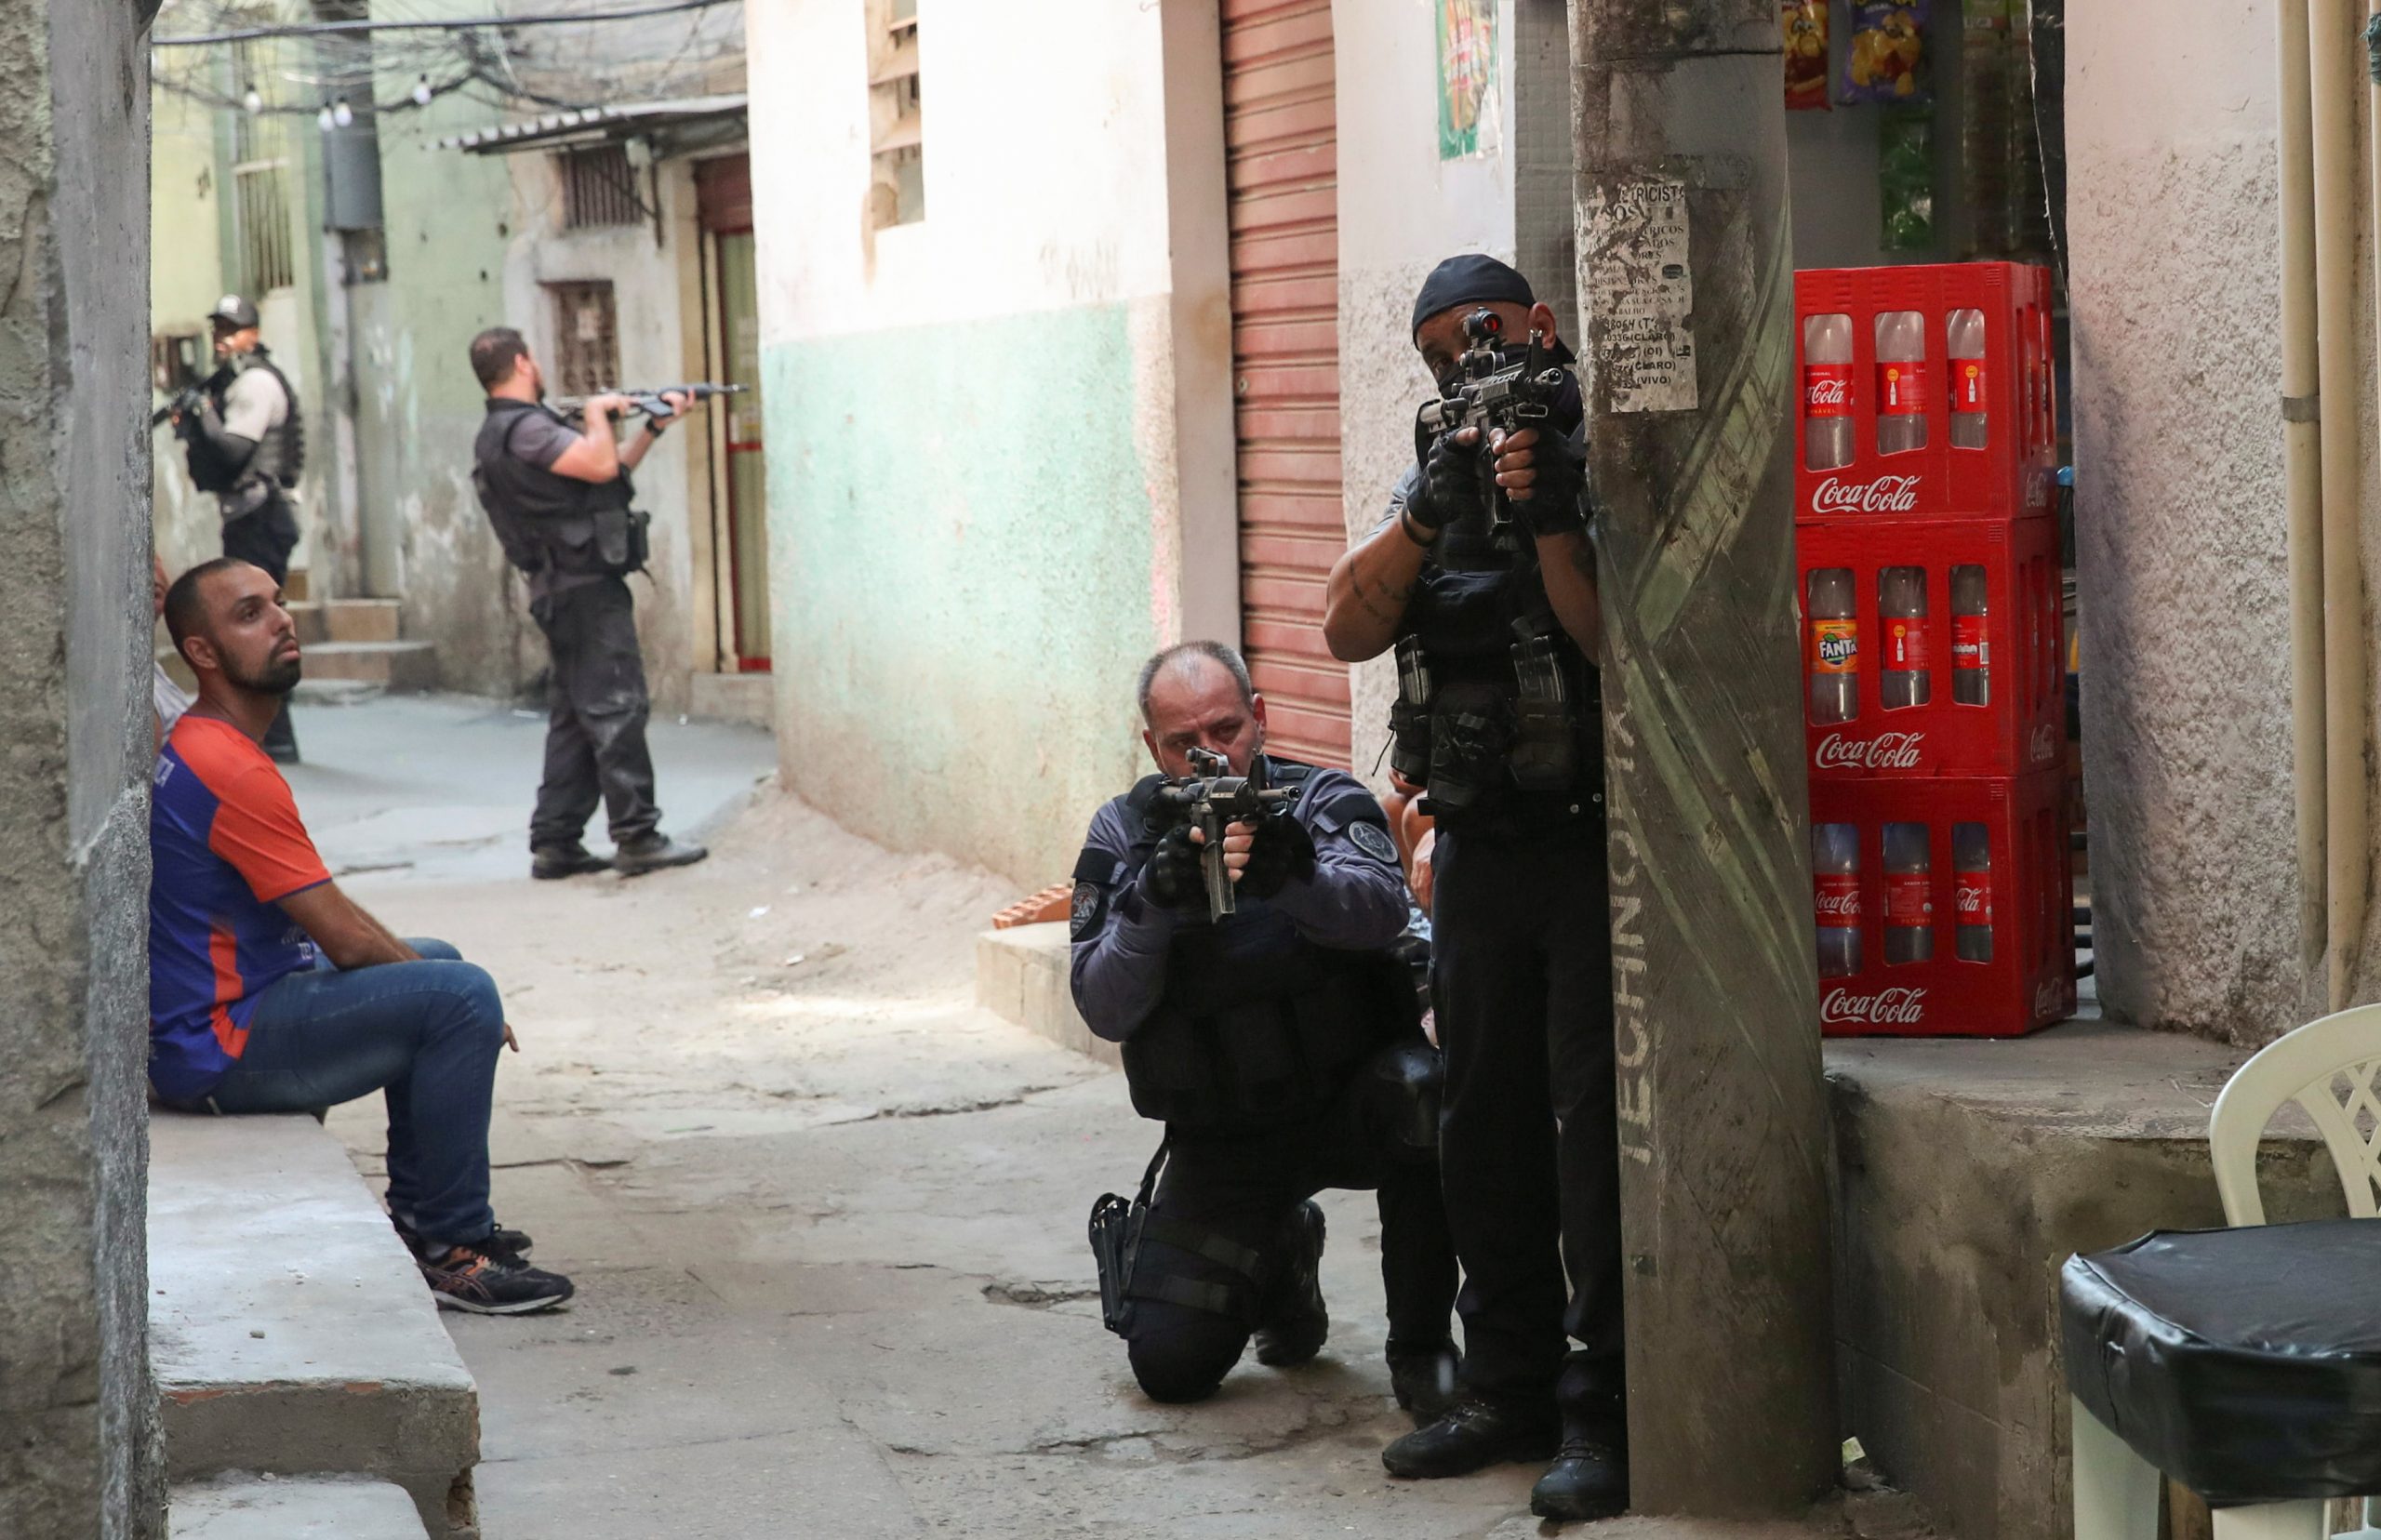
1278 1044
562 507
245 440
1481 578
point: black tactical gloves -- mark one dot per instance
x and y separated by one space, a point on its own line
1452 474
1283 849
1171 878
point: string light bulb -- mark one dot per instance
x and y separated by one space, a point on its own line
324 120
253 102
341 114
421 92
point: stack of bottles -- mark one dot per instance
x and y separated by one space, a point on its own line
1928 565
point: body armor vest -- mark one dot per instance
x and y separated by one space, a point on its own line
279 459
1255 1024
551 522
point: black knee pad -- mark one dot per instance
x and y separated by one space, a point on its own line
1179 1366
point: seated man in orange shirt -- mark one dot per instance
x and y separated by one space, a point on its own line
269 990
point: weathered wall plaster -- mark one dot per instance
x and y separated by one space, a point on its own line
995 476
2179 519
79 1451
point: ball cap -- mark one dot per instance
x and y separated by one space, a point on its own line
234 312
1470 279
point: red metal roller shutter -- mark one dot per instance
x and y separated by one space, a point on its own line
1282 149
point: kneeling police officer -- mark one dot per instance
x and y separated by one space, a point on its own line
1278 1044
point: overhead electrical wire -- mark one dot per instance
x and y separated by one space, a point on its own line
327 29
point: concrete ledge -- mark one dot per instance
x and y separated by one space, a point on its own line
249 1508
1967 1173
289 1329
1021 976
732 698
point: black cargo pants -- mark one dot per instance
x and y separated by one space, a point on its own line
1247 1187
595 749
1521 977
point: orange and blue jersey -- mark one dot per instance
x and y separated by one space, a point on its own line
226 846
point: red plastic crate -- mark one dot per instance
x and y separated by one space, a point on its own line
2023 728
2030 981
2012 475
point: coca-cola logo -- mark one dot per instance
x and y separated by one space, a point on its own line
1903 1007
1885 494
1844 905
1822 392
1975 902
2045 743
2050 998
1886 752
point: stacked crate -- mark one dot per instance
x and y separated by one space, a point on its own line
1946 557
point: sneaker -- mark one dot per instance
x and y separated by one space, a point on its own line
478 1280
1295 1331
653 852
1474 1434
499 1239
1589 1480
549 862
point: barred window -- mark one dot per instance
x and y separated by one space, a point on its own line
587 348
897 123
598 188
260 189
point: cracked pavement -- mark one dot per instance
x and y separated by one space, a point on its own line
827 1221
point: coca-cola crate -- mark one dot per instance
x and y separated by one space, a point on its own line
2011 386
2024 900
2020 727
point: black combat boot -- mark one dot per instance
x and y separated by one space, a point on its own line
1294 1329
1474 1434
1423 1378
652 853
1587 1480
549 862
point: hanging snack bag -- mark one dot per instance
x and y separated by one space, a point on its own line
1804 23
1886 61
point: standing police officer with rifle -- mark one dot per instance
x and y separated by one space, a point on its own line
559 500
1266 1024
245 441
1483 579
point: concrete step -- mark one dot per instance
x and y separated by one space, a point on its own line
404 667
288 1327
1021 976
346 621
323 1508
735 697
336 692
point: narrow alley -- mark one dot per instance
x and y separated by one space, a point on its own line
825 1215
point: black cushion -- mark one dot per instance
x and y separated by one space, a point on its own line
2244 1363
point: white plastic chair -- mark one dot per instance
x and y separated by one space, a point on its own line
2333 1069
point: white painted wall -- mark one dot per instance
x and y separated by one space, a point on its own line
1401 211
2179 517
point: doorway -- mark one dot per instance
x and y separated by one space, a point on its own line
723 190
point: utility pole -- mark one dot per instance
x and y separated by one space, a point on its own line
1686 283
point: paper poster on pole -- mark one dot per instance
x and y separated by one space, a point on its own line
1467 75
1635 246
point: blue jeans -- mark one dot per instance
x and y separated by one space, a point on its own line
425 1034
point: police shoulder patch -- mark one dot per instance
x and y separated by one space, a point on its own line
1083 915
1373 840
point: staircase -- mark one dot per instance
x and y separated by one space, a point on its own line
353 641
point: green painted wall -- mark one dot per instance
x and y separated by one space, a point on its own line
961 557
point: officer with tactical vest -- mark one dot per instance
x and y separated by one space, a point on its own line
1279 1045
1483 579
245 442
560 501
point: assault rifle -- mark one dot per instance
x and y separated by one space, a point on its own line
1211 800
648 402
1493 395
187 400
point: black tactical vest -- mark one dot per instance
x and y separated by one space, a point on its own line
1256 1025
279 459
547 522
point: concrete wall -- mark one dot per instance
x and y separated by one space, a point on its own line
1401 211
2179 518
79 1454
999 438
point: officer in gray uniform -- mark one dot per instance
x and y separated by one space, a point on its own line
560 502
1279 1045
247 443
1492 614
